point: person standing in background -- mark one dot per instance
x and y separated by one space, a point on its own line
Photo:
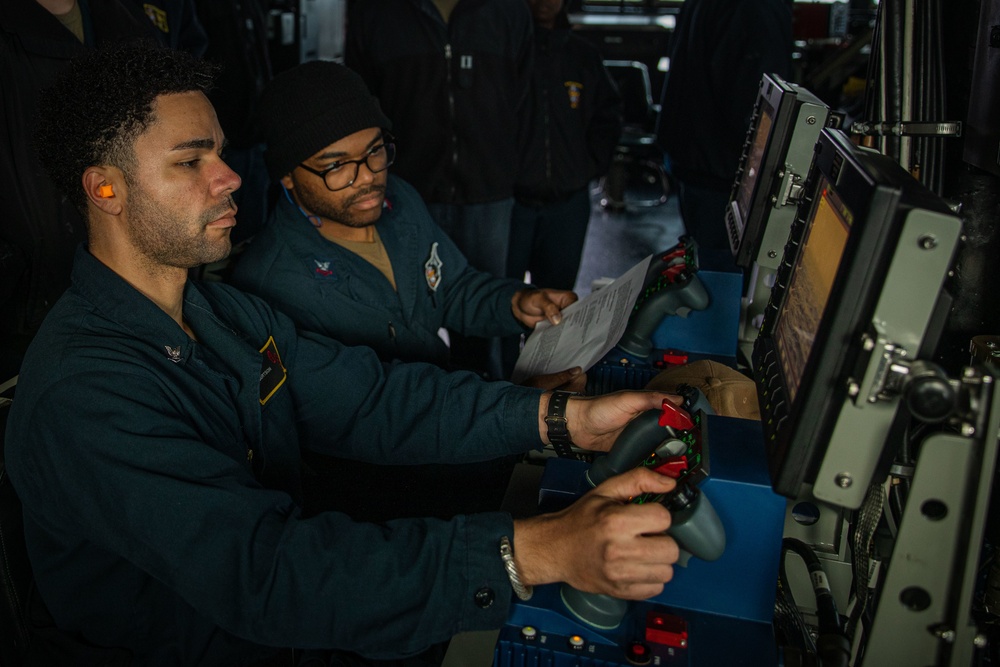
719 52
177 23
574 124
453 77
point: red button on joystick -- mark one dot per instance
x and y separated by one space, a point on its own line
675 417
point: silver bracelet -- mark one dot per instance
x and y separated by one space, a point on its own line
507 555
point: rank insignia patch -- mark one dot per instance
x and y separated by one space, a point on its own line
432 269
322 270
173 353
272 372
574 89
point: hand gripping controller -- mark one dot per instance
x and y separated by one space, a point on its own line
659 439
654 431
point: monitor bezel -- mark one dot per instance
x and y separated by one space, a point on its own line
879 194
745 238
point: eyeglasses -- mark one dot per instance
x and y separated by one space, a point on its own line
339 175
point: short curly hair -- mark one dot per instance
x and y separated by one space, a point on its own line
102 102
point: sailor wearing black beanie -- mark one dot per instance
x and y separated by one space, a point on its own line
311 106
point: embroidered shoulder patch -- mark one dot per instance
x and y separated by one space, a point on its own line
432 269
272 372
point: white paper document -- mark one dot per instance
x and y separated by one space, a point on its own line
588 330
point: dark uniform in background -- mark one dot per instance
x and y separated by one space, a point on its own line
455 91
39 228
570 135
177 23
328 289
719 52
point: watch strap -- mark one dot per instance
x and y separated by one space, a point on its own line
558 427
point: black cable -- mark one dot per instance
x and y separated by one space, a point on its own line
832 646
897 499
788 616
862 533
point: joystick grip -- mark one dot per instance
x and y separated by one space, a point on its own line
644 435
639 437
698 532
678 298
695 525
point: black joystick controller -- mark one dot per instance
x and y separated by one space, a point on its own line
657 431
671 288
660 439
698 532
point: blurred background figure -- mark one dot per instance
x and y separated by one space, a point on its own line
40 229
453 77
573 124
720 49
177 23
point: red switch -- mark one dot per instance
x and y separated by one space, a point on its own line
673 271
675 358
666 629
675 417
638 654
673 467
678 251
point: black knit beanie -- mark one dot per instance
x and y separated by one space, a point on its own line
312 105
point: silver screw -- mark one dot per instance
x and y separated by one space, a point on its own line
944 633
844 480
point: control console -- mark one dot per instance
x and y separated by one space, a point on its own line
724 517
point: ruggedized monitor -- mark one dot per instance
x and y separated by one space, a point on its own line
860 286
785 125
783 130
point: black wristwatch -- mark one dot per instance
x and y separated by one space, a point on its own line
555 419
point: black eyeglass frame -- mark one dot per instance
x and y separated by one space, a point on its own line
387 144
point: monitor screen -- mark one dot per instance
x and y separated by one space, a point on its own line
843 306
810 285
754 160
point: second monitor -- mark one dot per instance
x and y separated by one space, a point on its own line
859 293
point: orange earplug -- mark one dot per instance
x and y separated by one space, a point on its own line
105 192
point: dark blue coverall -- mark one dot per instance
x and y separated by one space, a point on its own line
328 289
160 476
